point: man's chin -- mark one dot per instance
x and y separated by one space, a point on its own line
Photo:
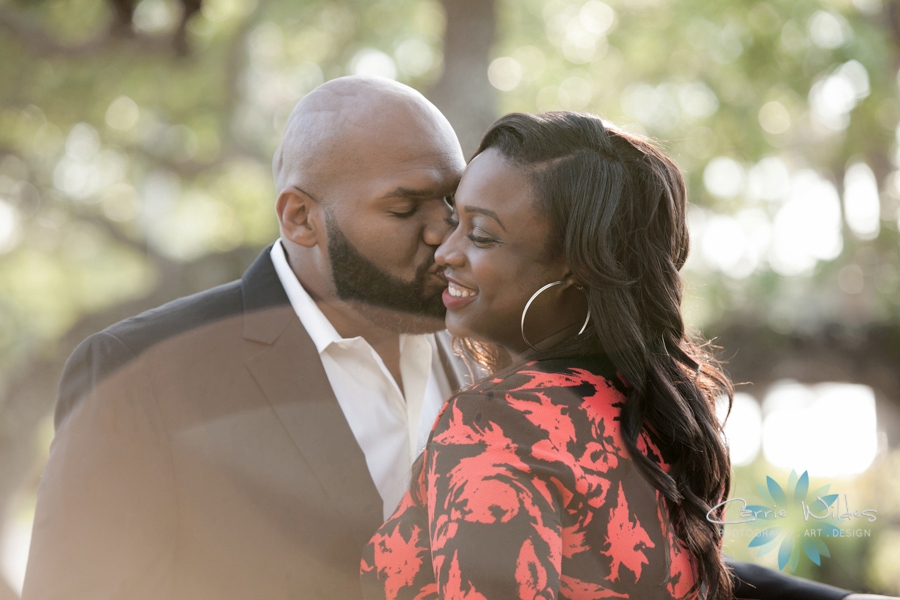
398 321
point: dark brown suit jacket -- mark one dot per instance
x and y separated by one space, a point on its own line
200 453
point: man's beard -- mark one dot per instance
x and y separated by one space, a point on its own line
357 279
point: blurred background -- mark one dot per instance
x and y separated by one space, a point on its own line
136 139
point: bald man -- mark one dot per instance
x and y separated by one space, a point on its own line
246 442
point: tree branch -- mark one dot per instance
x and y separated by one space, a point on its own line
37 41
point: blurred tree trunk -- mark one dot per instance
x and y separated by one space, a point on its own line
463 93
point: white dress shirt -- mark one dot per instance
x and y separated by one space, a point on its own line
390 426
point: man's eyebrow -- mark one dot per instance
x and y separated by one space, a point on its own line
424 194
486 212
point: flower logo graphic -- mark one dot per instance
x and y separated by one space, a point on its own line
786 506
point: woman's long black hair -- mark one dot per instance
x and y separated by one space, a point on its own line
617 212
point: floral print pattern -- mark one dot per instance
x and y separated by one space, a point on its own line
527 492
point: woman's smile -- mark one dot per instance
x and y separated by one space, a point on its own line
456 296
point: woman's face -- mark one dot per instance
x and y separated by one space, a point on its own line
495 257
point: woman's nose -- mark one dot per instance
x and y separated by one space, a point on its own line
448 253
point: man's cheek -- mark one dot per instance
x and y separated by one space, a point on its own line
397 238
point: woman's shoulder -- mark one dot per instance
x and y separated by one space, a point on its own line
579 375
547 396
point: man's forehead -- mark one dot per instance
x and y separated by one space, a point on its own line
353 131
416 183
353 107
401 161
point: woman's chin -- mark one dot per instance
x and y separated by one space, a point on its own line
459 329
455 327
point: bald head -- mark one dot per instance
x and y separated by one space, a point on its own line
363 173
336 130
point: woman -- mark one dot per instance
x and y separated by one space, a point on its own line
586 467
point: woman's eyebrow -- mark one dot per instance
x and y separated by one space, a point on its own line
486 212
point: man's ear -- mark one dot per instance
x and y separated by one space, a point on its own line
296 212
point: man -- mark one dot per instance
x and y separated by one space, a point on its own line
247 441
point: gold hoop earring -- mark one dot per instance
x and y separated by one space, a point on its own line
584 325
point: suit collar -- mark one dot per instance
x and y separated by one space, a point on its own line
262 291
290 374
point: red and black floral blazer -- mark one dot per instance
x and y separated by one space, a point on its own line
527 492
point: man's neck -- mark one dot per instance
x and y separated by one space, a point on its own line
351 320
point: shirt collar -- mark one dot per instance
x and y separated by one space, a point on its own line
317 325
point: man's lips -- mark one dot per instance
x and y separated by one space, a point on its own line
436 270
436 282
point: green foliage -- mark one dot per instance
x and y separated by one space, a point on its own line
116 155
132 147
736 80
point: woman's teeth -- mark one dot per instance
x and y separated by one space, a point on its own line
458 292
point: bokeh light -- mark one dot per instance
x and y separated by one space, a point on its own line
829 429
743 428
862 205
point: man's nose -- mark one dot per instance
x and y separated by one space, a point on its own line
436 227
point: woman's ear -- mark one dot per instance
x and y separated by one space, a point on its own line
296 212
576 281
571 278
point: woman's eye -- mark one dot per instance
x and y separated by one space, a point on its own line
451 221
481 241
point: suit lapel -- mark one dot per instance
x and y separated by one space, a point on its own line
291 375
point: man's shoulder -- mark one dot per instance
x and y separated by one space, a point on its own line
110 351
191 313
